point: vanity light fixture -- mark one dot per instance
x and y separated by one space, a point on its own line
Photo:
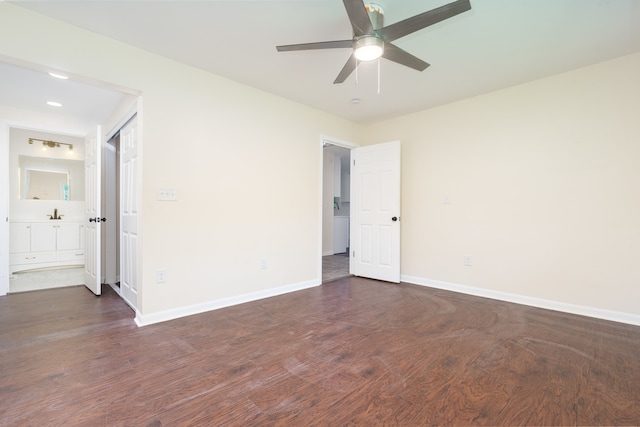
51 144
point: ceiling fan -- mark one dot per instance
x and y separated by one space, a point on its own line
371 40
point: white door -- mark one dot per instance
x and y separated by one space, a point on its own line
92 174
129 212
375 211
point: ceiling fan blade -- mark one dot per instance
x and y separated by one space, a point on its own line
346 70
336 44
423 20
359 17
395 54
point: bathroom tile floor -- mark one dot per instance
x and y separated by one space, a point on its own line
335 267
45 279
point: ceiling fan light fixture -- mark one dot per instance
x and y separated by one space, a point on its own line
368 48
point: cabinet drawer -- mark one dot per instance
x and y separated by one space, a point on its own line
32 257
71 255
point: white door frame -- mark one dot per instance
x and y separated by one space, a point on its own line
340 143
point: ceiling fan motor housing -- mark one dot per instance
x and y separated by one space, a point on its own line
376 15
368 47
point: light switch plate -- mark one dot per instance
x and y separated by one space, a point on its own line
170 194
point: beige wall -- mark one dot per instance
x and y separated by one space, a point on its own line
245 164
543 180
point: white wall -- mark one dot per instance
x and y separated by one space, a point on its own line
228 151
543 180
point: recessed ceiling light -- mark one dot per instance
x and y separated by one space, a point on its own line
355 101
54 104
58 76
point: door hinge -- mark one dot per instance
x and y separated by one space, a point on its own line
354 254
354 162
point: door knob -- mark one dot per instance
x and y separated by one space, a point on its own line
394 219
97 219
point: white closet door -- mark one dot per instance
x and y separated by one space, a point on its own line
129 211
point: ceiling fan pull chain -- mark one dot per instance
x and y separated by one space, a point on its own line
378 76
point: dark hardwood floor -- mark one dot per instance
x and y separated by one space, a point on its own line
351 352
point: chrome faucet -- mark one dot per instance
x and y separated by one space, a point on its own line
55 214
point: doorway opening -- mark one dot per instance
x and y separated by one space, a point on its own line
111 208
44 185
336 185
25 249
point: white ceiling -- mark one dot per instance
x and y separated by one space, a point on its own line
25 91
499 43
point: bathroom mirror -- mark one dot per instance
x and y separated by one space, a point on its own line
43 178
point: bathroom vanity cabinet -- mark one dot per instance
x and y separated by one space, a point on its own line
38 244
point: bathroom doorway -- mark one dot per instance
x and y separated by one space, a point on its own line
44 254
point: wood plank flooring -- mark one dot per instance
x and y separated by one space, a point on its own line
350 352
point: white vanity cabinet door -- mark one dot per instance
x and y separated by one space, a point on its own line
68 236
43 237
19 237
46 244
70 243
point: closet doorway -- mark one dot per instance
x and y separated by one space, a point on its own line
120 202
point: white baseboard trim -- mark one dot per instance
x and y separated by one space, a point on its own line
615 316
163 316
327 253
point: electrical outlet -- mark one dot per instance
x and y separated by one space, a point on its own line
467 260
264 264
446 199
161 276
